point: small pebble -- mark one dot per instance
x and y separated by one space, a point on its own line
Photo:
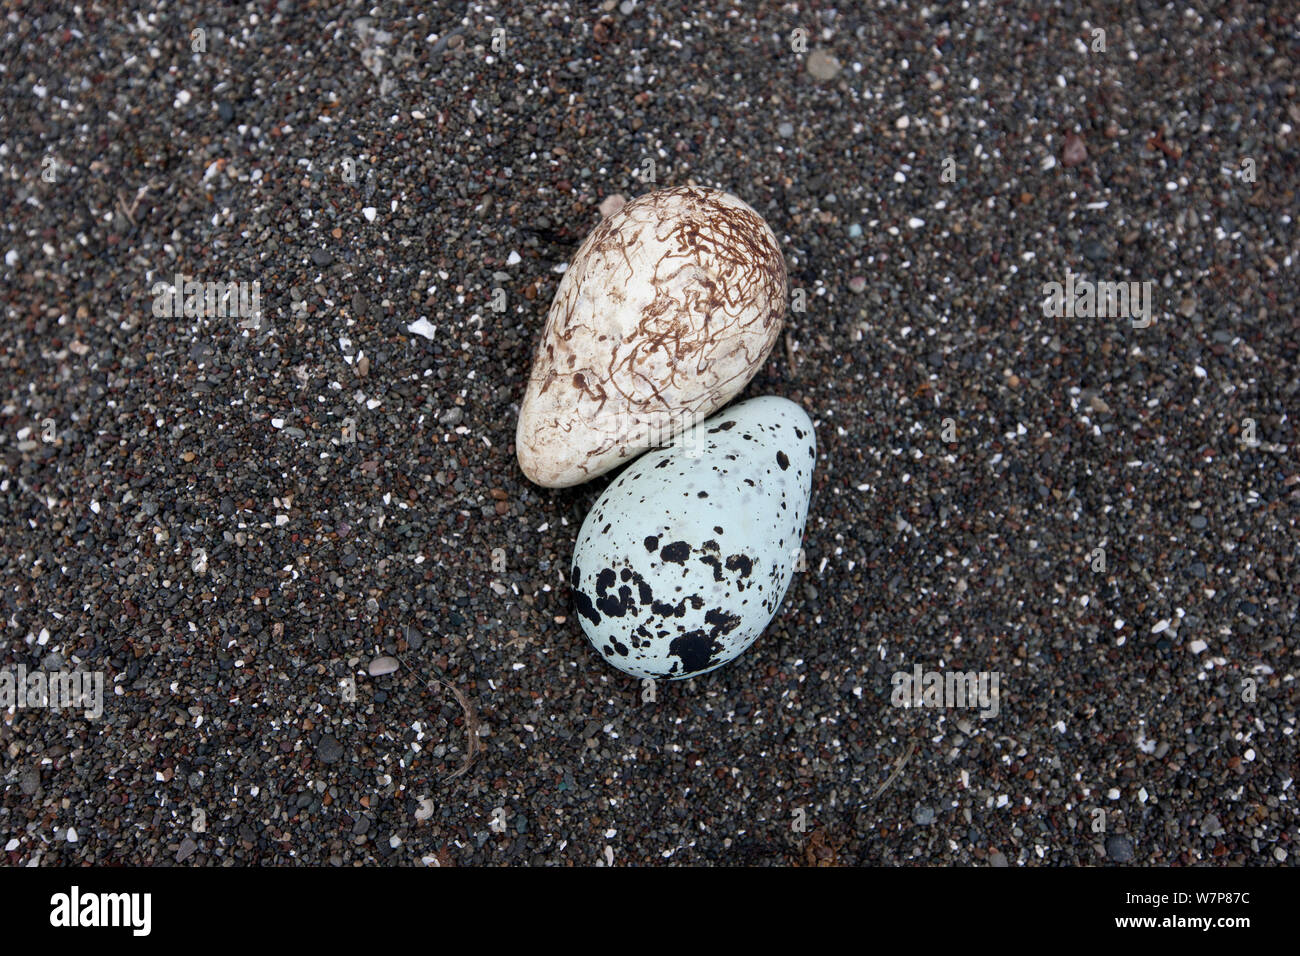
422 327
1119 848
1074 151
822 66
329 750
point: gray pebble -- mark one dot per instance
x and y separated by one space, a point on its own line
329 750
1119 848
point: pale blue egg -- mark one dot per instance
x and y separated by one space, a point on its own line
685 558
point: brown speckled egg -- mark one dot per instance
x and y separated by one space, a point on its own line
666 312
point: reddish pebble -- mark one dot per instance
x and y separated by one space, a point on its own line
1074 152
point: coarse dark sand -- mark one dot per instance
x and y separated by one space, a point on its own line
230 524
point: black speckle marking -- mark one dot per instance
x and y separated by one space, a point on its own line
697 651
644 591
583 603
717 530
703 494
613 605
651 543
715 564
783 461
677 552
725 426
741 563
723 623
665 463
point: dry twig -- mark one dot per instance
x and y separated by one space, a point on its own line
140 193
898 768
471 727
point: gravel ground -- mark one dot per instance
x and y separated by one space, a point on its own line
183 512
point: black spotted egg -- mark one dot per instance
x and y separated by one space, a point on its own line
684 560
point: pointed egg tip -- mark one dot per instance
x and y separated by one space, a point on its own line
545 472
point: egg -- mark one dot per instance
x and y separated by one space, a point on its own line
684 559
667 310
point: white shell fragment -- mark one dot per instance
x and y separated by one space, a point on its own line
382 665
668 309
683 561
